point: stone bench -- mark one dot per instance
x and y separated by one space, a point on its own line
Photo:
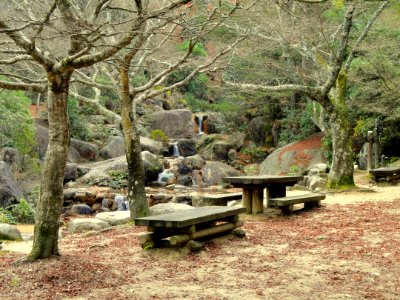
286 203
220 199
178 228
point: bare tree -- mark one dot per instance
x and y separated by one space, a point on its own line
56 38
144 50
329 90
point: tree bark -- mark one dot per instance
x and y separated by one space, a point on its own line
136 192
342 169
45 241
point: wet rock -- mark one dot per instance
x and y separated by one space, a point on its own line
80 209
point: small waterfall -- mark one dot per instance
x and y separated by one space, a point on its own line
200 118
175 150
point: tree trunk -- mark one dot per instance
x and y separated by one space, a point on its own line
341 173
136 193
45 241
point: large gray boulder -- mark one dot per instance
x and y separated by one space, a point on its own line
174 123
71 172
214 171
115 217
114 148
42 141
257 130
194 162
10 192
82 225
150 145
295 158
217 146
10 232
152 166
87 151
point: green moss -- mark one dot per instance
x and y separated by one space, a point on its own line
344 183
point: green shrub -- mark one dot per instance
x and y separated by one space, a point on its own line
198 50
14 109
23 212
6 216
79 127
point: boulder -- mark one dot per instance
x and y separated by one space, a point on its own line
10 193
150 145
257 130
152 166
87 151
174 123
114 148
71 172
42 140
187 147
115 217
10 156
99 171
82 225
80 209
214 171
165 208
194 162
10 232
295 158
217 146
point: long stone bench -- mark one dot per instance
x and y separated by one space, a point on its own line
286 203
220 199
178 228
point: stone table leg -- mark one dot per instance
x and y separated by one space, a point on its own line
247 199
257 201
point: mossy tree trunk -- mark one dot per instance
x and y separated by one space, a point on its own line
45 241
341 131
136 192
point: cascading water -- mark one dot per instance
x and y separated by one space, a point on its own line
175 150
200 118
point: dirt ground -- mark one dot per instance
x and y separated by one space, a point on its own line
347 249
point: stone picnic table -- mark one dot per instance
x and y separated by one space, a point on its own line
177 228
253 188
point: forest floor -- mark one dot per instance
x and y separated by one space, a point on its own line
347 249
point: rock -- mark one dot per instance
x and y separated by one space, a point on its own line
87 151
80 209
10 156
316 184
194 162
115 218
187 147
220 150
150 145
82 225
295 158
213 172
10 193
114 148
165 208
257 130
10 232
152 166
185 180
99 171
71 172
174 123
